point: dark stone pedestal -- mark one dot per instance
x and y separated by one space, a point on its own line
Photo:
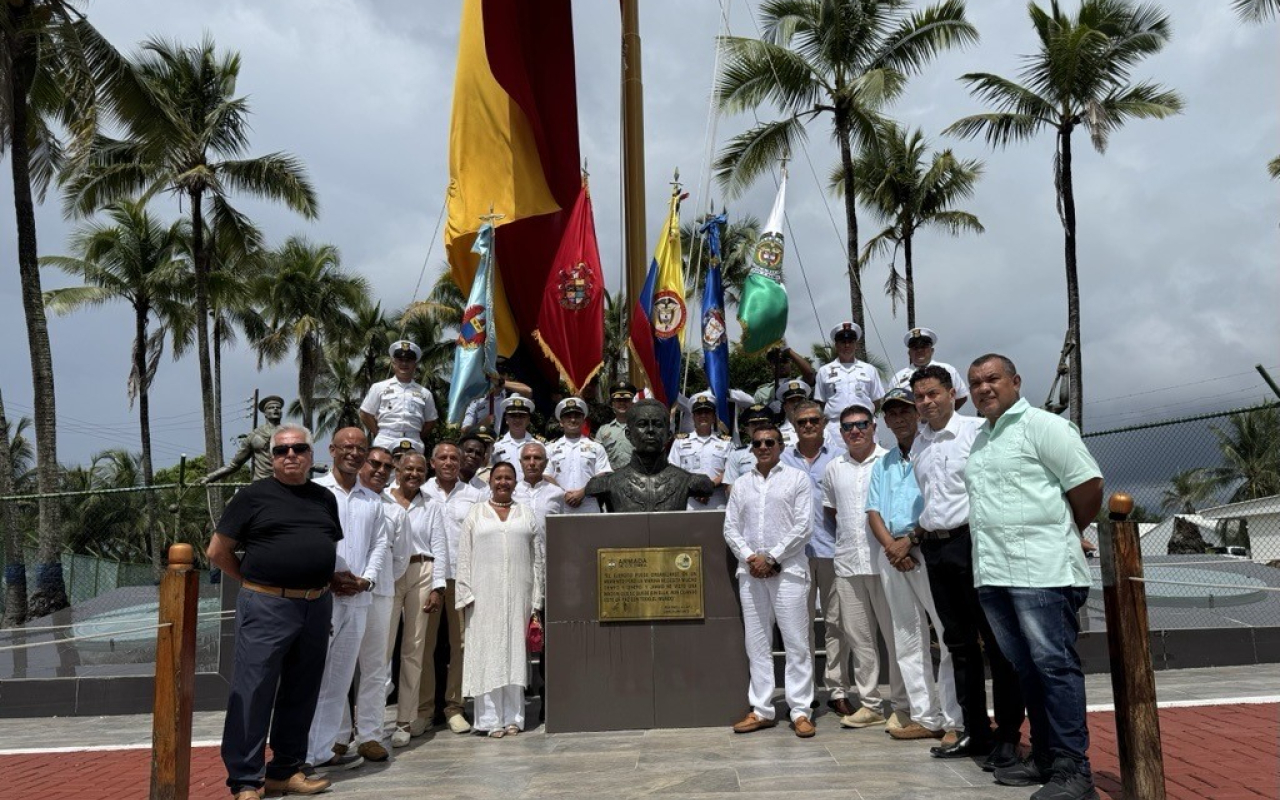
604 676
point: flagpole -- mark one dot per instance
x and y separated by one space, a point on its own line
633 165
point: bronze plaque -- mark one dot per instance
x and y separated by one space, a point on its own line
647 583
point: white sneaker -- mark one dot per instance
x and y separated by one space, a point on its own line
401 736
419 726
459 724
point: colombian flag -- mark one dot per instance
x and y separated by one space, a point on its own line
659 315
513 147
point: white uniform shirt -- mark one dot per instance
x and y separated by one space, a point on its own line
771 515
939 458
479 409
544 498
425 534
455 506
842 385
401 410
738 463
903 379
508 449
573 462
395 527
364 546
703 455
844 487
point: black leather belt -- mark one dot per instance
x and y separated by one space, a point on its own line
419 558
945 534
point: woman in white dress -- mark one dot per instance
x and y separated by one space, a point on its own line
499 587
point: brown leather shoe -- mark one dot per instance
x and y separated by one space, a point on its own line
842 707
804 728
914 730
249 793
373 751
298 783
751 723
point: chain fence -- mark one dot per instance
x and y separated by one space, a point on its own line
1206 493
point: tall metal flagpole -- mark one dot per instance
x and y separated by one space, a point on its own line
633 165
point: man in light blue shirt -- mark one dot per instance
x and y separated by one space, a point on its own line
1032 488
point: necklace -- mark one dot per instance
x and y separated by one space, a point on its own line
496 504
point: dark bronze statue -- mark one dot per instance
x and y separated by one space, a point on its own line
649 482
256 446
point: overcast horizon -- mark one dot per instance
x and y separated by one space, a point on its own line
1177 222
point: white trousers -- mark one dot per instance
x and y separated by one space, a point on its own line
500 708
782 598
835 676
339 668
411 594
934 703
863 611
371 693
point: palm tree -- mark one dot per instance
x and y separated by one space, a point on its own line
1080 77
1256 10
306 303
15 593
189 138
54 68
846 58
336 404
1186 491
137 259
1250 447
374 332
236 259
907 190
615 337
736 242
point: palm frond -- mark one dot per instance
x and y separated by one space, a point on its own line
755 151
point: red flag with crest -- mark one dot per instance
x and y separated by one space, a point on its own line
571 320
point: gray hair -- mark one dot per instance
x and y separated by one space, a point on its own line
290 427
536 444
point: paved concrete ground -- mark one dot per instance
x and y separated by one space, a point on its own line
1218 751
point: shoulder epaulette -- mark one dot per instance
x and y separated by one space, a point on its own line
682 435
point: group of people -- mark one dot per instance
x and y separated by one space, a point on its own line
966 525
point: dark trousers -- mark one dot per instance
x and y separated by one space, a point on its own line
1037 630
967 635
281 646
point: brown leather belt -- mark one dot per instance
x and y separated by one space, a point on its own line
946 534
418 558
290 594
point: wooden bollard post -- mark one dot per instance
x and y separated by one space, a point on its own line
1132 679
175 677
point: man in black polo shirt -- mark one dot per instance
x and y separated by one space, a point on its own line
288 530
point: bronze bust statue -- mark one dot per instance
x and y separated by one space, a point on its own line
256 446
649 482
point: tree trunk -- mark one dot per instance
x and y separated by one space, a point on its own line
910 278
851 227
15 568
1076 397
308 368
212 444
50 594
150 521
217 376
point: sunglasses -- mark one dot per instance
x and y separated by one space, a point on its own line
919 344
810 421
861 425
846 338
298 448
381 466
760 444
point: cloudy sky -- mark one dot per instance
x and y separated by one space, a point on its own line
1177 222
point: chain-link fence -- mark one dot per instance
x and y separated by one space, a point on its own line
1206 493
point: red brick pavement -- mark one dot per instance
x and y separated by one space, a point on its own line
1226 752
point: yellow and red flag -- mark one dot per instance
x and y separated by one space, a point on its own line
571 323
513 148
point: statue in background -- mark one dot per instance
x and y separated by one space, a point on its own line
649 482
256 446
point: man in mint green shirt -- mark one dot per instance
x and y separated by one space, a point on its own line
1032 488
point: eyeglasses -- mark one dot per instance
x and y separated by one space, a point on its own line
381 466
760 444
810 421
297 448
861 424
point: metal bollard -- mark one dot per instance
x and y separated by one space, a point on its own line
1132 678
175 677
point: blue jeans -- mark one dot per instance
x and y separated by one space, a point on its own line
1036 630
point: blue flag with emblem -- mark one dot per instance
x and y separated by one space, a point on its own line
475 359
715 340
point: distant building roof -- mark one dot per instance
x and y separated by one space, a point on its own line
1261 506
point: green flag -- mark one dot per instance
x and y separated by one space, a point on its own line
762 310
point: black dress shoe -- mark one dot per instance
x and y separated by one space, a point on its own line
966 747
1004 754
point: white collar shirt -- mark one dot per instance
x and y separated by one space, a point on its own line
401 410
424 534
544 498
482 407
456 504
507 449
772 515
364 546
573 462
939 458
903 379
704 455
842 385
822 544
845 485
